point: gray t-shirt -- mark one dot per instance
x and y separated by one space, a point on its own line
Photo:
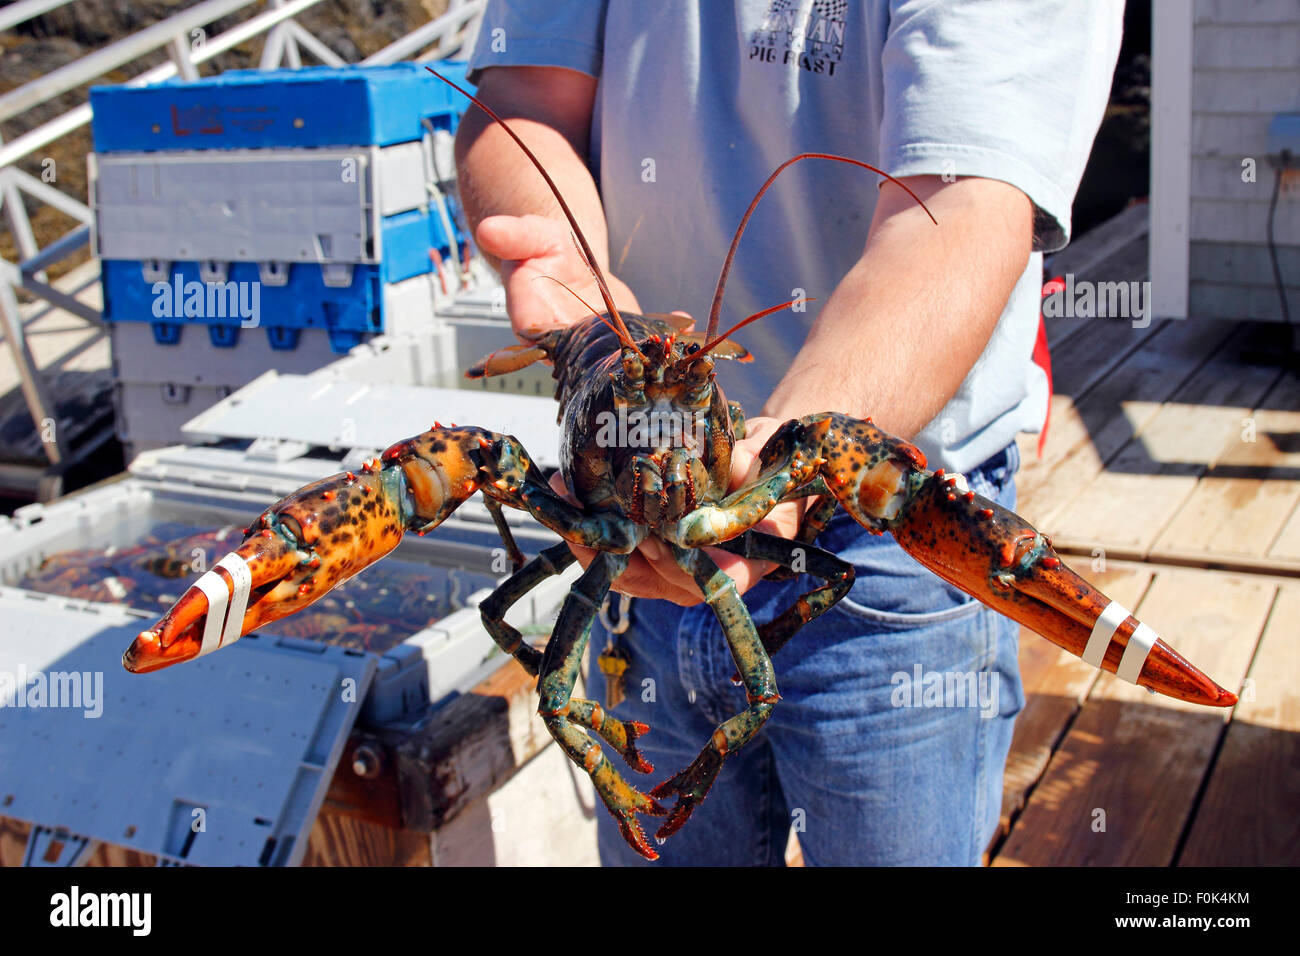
699 102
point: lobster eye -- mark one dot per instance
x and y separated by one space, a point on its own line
261 521
632 367
290 526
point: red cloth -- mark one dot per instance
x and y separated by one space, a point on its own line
1043 358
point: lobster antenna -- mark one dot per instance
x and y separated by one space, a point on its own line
716 309
622 331
627 246
714 343
586 305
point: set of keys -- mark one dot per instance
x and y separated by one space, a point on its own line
613 660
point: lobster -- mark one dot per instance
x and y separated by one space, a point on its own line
673 487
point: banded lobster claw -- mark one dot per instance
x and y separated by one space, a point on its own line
984 549
994 554
293 554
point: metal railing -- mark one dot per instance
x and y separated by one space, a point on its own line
185 39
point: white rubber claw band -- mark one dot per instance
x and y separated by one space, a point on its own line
242 578
218 595
958 481
220 628
1103 631
1135 655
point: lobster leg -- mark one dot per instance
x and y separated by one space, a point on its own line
814 523
737 420
836 572
507 536
565 716
692 785
552 560
513 480
787 461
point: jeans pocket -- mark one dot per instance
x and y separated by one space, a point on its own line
883 617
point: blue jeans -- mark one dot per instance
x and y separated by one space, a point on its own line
889 741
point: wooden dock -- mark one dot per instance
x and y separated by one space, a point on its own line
1171 476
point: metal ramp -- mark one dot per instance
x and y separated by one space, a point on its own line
330 412
190 39
221 762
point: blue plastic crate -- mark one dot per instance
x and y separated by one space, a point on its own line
408 239
313 106
347 313
305 301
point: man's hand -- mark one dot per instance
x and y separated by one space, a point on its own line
516 220
652 572
534 250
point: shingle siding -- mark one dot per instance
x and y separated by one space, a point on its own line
1246 68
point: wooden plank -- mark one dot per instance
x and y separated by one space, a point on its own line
1055 683
1103 346
13 846
376 797
468 748
1287 545
1247 815
342 840
1272 46
544 815
109 854
1235 303
1117 408
1075 371
1239 507
1124 509
13 841
1261 92
1248 264
1232 220
1128 263
1132 761
1222 12
1085 254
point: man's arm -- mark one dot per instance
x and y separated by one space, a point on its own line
906 324
514 217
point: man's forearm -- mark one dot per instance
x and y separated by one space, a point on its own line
905 326
550 110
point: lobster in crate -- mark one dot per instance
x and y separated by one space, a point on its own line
670 484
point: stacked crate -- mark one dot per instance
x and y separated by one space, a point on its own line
265 220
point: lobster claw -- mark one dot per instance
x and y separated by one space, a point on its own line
995 555
293 554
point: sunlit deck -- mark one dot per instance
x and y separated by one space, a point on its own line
1171 476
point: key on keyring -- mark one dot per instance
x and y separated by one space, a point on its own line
613 663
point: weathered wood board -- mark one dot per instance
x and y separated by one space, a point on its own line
1247 816
1121 786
